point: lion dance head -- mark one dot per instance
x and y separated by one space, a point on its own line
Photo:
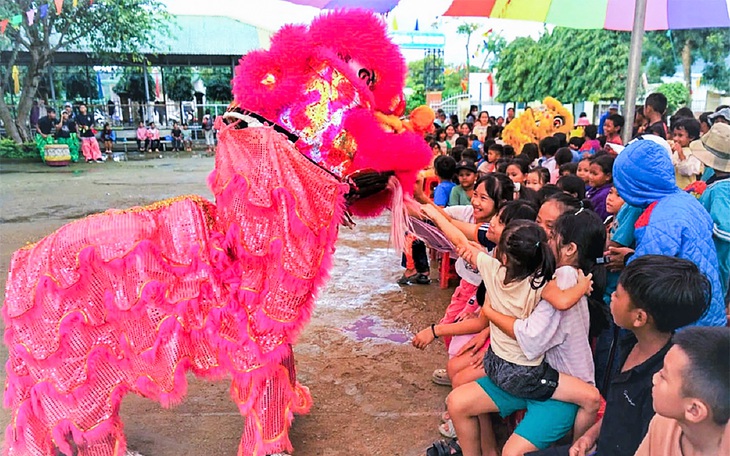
537 123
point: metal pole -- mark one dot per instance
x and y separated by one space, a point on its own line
146 112
637 35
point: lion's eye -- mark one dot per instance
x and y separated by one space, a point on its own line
367 76
558 121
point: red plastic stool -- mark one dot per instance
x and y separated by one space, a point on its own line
446 270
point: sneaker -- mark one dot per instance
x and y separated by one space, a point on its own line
422 279
447 430
99 160
440 377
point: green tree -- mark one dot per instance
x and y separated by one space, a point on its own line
516 69
568 64
416 83
711 45
178 85
119 26
217 81
131 85
468 30
78 85
492 48
676 93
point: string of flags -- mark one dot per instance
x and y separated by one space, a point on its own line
36 11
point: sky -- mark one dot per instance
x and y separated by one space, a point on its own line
272 14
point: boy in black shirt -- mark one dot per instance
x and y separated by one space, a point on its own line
655 296
654 108
44 131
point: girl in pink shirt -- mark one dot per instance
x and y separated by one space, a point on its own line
153 135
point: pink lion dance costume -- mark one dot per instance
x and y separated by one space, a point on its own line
129 300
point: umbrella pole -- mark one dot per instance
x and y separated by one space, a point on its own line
632 81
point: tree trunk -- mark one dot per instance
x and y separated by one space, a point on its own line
687 66
17 128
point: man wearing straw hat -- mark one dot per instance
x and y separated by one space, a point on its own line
713 150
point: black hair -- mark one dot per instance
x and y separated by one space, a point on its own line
684 111
461 141
704 119
467 124
469 154
591 131
497 148
456 152
568 202
473 137
521 163
50 111
721 107
445 167
501 165
439 132
543 173
480 115
573 185
688 124
673 291
576 141
582 114
658 102
606 163
433 144
570 168
530 150
529 195
706 376
602 142
549 145
508 151
547 191
617 120
528 254
562 137
585 229
517 210
563 155
498 187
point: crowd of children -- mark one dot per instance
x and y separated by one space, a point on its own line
594 275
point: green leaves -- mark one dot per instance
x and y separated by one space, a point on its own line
676 93
568 64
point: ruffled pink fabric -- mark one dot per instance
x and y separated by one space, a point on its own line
129 301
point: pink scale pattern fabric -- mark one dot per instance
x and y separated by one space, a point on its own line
129 300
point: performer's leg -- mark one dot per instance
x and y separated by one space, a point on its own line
270 412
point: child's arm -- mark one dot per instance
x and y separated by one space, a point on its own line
689 166
504 322
470 326
452 233
469 229
565 299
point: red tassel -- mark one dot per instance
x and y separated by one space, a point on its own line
3 26
59 6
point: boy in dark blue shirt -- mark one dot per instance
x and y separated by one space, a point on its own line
445 167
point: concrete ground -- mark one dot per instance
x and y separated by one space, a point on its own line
372 390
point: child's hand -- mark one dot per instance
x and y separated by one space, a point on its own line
470 252
423 338
474 345
583 446
585 281
617 256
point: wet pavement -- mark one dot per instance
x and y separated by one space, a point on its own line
372 390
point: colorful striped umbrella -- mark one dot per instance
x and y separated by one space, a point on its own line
378 6
597 14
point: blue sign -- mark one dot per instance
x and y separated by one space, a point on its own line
418 40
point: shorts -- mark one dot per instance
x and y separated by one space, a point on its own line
544 423
530 382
